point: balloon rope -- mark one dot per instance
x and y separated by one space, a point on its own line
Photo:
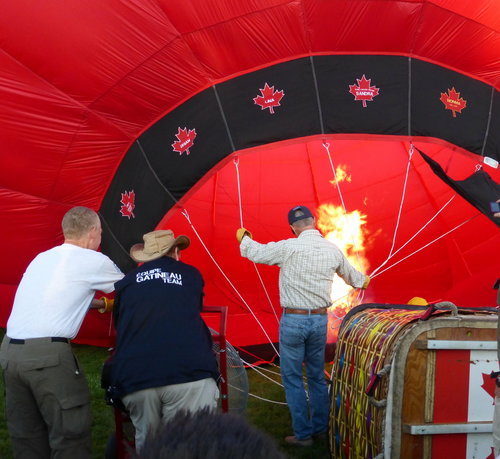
326 146
259 398
107 227
403 195
263 369
236 165
426 245
186 215
398 220
254 367
110 324
418 232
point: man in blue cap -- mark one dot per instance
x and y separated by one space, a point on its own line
307 264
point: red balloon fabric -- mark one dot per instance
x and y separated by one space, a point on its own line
81 82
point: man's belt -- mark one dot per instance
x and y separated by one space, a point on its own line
305 311
54 339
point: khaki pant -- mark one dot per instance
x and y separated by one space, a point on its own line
47 400
149 408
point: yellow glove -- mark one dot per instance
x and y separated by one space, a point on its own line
366 282
241 233
108 305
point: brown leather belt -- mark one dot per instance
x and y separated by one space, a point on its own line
305 311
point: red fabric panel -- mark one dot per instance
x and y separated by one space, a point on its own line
266 36
37 123
90 162
466 44
484 12
192 15
242 328
357 26
172 74
29 225
92 44
451 401
97 330
7 293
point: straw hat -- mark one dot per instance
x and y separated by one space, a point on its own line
156 244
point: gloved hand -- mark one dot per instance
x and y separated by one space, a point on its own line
108 305
241 233
366 282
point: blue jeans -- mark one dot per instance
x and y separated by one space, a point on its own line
303 340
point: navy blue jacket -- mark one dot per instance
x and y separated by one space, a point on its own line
161 337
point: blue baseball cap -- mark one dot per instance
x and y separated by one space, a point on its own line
298 213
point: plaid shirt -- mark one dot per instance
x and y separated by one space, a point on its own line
308 264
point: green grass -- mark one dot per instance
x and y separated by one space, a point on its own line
274 419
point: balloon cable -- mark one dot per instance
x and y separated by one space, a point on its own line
398 220
326 146
260 371
186 215
255 368
259 398
262 368
118 243
426 245
236 165
418 232
236 162
110 232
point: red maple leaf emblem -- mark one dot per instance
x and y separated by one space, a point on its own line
269 98
128 204
489 385
185 140
452 101
363 91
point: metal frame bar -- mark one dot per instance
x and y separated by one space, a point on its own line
436 429
457 345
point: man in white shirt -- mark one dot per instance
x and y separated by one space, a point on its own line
307 264
47 397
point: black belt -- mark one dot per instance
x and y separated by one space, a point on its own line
54 339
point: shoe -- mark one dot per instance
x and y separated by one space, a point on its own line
291 440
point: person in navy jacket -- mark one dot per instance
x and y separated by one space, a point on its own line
163 361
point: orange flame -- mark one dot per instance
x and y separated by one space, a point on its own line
347 232
341 175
